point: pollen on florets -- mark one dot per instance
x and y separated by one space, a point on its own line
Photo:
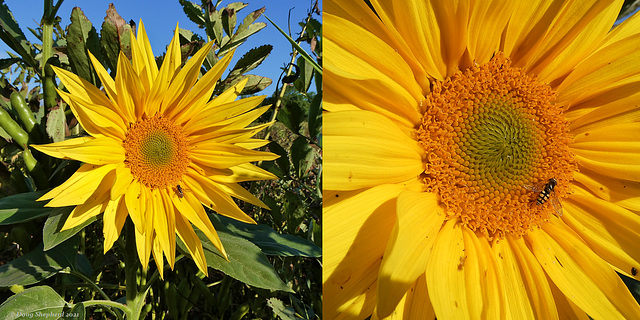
156 152
490 132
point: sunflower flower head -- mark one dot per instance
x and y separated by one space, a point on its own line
159 148
492 133
481 160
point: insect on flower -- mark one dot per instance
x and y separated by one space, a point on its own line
546 193
179 192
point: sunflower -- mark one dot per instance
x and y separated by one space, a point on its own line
158 149
482 160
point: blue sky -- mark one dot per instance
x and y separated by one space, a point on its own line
160 17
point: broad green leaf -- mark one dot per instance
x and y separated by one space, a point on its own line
306 74
283 161
293 209
56 124
22 207
216 31
251 60
274 208
279 309
193 12
246 262
12 36
114 36
51 234
38 264
314 118
229 18
82 38
302 155
291 115
77 312
34 303
271 242
247 26
254 84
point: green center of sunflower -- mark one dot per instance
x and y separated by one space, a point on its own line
156 151
494 137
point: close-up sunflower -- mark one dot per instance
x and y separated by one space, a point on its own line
481 160
158 149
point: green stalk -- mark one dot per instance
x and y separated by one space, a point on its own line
135 296
47 34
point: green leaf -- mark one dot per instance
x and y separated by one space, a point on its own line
22 207
12 36
271 242
114 36
246 262
250 60
294 210
193 12
8 62
314 118
303 82
51 234
248 27
291 115
38 264
283 161
279 309
229 18
302 155
82 38
76 313
34 303
56 124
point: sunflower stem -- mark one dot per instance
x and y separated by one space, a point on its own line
135 299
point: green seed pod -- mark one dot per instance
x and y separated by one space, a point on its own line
13 129
49 86
25 115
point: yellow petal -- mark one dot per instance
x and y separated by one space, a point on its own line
574 34
622 137
210 195
170 65
612 232
518 302
238 192
224 155
619 165
535 280
79 187
445 274
487 22
368 68
124 178
581 275
567 309
161 224
171 226
621 192
608 68
158 258
95 119
93 205
239 173
484 283
194 102
355 236
228 95
136 205
418 305
131 97
191 209
184 81
191 240
115 215
612 107
405 258
364 149
100 150
216 116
